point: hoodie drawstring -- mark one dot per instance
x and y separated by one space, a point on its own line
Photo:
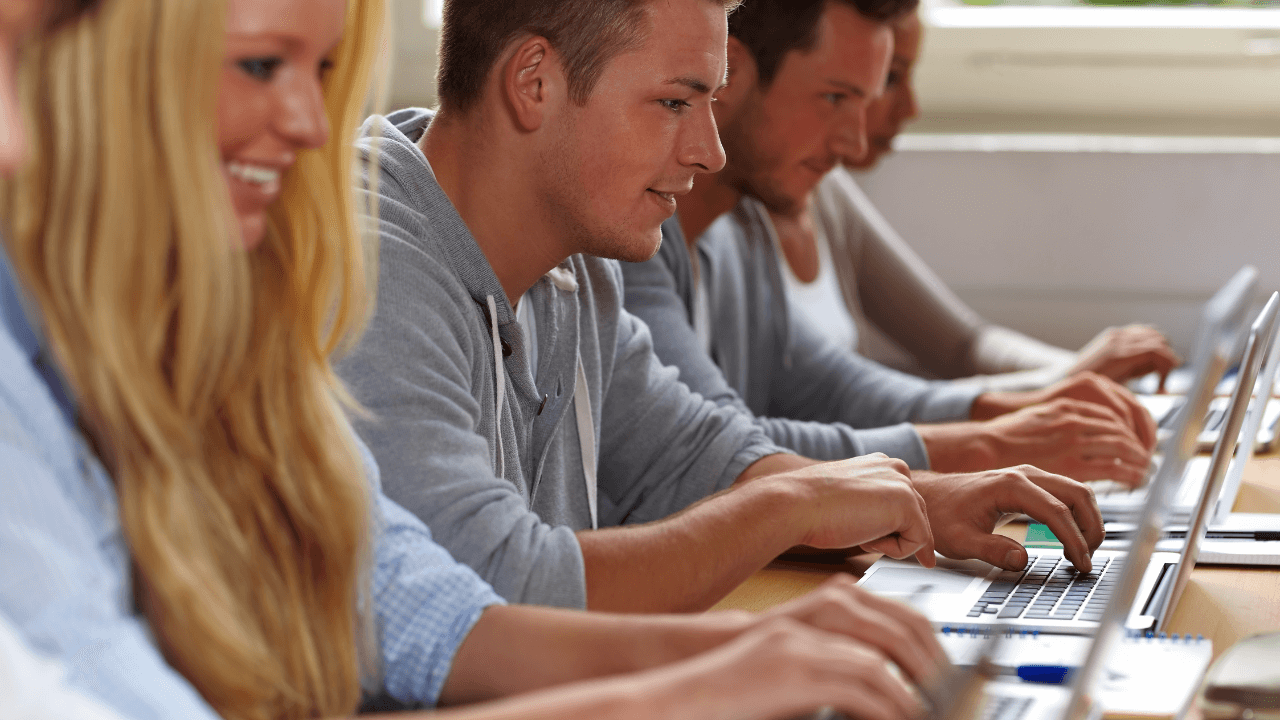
563 280
499 381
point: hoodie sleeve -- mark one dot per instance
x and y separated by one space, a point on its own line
658 292
827 383
663 446
413 372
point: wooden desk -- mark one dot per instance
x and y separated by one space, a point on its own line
1225 604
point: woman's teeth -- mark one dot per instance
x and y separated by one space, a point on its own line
268 178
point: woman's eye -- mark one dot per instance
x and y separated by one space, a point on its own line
325 67
260 68
674 105
893 79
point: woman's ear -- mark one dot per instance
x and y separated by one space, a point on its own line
532 82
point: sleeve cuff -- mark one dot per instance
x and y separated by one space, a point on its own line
947 402
897 441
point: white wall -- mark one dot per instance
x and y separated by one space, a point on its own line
1061 243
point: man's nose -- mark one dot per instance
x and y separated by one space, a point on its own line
700 145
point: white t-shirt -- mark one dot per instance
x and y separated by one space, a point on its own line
820 301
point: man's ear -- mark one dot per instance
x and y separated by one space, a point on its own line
743 77
532 82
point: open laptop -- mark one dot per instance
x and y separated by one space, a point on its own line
1049 595
1119 503
1164 408
1235 538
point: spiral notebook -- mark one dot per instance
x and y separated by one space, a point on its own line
1145 677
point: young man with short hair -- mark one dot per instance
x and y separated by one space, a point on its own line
801 76
872 292
516 405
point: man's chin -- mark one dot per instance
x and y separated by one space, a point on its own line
636 248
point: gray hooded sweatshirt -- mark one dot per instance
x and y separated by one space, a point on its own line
487 453
809 395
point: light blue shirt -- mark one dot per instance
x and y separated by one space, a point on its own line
65 567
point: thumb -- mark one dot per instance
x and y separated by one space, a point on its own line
998 550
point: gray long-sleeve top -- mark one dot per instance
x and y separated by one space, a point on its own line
426 371
809 395
906 315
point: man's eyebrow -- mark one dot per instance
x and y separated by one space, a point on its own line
692 83
851 89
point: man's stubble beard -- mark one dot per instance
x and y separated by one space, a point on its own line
747 167
570 200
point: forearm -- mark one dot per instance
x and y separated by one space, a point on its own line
958 447
682 691
493 661
993 404
998 349
692 559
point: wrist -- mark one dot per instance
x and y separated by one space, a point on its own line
960 447
993 404
781 507
684 636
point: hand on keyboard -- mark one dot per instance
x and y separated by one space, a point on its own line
1086 387
1125 353
1078 439
895 629
965 508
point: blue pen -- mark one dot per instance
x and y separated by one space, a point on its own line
1045 674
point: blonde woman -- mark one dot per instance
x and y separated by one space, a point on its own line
188 522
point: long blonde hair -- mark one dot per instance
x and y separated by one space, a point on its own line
202 371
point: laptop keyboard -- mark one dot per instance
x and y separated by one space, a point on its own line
1049 589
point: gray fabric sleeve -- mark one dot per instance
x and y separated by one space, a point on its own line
663 446
413 372
883 278
827 383
654 294
887 283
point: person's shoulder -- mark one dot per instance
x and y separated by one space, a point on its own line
22 414
735 230
390 143
839 197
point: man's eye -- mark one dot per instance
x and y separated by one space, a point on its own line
893 79
674 105
834 98
260 68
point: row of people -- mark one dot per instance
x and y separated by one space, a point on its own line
191 524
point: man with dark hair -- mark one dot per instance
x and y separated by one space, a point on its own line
801 75
517 406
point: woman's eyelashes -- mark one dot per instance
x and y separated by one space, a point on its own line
263 68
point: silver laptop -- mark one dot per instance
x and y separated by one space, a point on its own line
1120 504
1049 595
1164 408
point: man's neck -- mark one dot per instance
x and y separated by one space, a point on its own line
494 190
709 199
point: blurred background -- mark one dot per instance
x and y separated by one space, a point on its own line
1076 164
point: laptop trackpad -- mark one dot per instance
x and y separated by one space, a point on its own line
917 580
